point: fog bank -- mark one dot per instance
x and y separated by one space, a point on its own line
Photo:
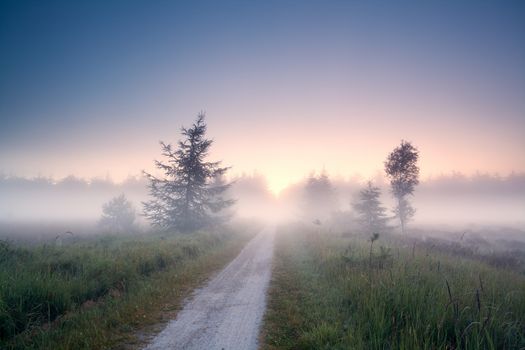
453 199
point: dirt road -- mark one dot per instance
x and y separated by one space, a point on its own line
227 312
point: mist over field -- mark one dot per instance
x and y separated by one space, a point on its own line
449 200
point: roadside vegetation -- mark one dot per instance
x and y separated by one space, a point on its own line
97 292
333 291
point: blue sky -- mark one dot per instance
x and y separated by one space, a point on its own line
89 87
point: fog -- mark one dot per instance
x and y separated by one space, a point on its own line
453 201
72 198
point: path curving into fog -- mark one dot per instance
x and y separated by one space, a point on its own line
227 312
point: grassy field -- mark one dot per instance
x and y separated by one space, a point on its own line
331 292
96 293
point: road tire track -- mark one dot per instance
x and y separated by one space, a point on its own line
227 312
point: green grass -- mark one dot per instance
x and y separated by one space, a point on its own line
326 293
96 293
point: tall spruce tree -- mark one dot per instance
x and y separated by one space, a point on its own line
371 213
402 170
187 198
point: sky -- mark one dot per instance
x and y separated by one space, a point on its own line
289 87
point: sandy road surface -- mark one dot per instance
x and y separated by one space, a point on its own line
227 312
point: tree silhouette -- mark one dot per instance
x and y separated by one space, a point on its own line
186 199
371 214
404 211
402 170
219 181
318 197
118 215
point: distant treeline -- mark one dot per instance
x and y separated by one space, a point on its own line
479 183
69 183
76 198
513 184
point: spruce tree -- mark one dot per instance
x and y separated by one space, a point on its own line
319 199
187 198
371 214
118 215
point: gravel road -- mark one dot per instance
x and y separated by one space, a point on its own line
227 312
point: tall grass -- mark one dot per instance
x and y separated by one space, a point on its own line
49 293
329 293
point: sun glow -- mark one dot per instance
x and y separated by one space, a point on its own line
277 183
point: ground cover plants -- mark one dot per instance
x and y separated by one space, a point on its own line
331 291
95 292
